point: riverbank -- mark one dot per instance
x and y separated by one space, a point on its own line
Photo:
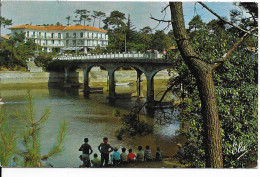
122 76
165 163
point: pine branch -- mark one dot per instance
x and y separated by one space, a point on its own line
232 49
43 118
165 8
57 148
215 14
176 82
167 21
30 107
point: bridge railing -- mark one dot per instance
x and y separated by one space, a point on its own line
111 56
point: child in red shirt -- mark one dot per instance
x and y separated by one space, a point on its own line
131 156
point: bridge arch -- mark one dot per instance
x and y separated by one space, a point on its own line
139 71
86 70
150 66
150 73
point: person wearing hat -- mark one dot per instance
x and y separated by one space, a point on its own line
105 148
115 158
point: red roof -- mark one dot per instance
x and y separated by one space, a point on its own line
55 27
52 27
28 27
6 37
81 27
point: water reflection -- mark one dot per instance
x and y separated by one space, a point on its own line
87 116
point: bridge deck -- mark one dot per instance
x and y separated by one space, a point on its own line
113 56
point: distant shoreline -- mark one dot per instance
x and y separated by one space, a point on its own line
16 77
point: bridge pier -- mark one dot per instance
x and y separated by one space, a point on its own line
112 90
66 76
150 88
86 88
138 82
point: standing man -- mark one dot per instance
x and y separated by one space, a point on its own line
86 151
105 148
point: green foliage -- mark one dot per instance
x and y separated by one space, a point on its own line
5 22
132 126
98 50
7 141
161 41
123 33
236 89
44 59
81 14
15 51
31 139
99 15
116 113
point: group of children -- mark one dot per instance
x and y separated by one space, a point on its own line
116 158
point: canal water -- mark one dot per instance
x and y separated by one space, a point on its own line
90 117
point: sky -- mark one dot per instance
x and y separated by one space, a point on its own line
50 12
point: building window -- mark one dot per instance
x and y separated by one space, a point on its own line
59 35
67 42
46 42
52 35
96 35
45 35
81 42
92 34
52 41
74 35
59 41
74 42
33 33
27 33
67 35
81 35
39 34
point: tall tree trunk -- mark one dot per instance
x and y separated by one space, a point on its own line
94 22
203 72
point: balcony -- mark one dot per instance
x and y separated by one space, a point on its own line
53 45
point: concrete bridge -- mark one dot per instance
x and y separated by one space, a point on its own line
147 63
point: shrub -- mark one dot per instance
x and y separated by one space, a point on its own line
132 126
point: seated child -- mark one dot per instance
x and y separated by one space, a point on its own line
140 154
96 161
158 156
115 158
148 154
123 156
15 162
131 156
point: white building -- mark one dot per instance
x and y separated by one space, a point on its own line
62 38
